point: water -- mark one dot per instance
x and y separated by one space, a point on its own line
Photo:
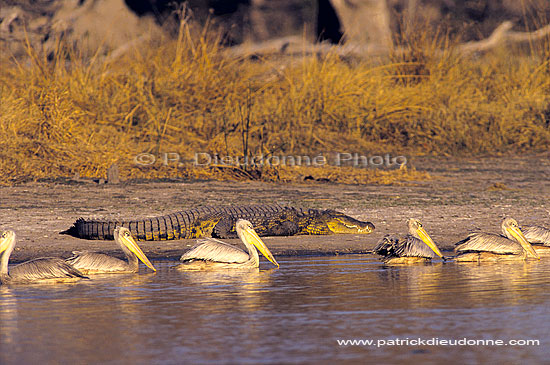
294 314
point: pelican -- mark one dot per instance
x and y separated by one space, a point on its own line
99 263
45 269
211 253
512 245
539 237
416 246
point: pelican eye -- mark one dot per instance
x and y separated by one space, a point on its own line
127 233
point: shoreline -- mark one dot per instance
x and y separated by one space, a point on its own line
465 194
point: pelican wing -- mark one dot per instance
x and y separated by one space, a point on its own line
94 261
211 249
411 246
488 242
387 245
43 269
536 234
408 246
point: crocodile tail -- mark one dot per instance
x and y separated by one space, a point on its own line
161 228
92 230
72 231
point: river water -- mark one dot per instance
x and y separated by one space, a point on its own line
295 314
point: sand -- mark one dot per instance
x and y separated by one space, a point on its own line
465 194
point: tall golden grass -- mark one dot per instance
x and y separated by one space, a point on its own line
69 114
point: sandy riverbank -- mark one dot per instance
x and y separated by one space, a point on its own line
466 194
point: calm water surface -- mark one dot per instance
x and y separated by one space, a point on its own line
294 314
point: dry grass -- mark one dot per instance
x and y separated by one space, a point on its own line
73 115
295 174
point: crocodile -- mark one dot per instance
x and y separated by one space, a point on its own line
219 222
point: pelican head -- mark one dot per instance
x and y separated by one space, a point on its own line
340 223
124 238
416 229
7 239
511 229
247 234
7 242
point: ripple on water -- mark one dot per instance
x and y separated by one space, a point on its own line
292 314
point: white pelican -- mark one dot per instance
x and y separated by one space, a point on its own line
512 245
416 246
96 263
211 253
45 269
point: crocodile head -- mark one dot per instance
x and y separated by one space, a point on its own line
340 223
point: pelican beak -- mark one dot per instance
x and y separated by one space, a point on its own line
425 237
253 238
129 242
518 235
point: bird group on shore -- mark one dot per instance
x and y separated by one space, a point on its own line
515 243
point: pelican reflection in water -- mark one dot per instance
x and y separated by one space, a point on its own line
512 245
45 269
539 237
211 253
95 263
416 246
